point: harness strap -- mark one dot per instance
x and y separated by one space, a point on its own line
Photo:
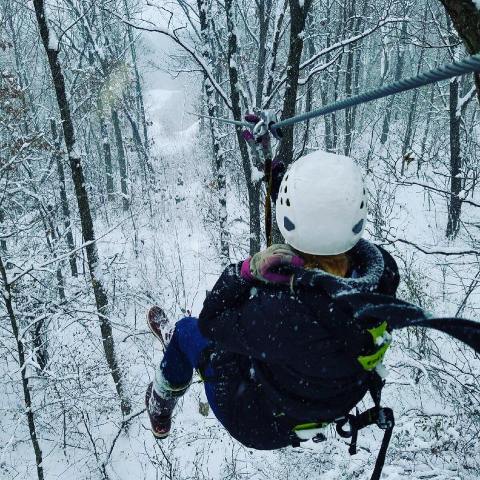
377 471
268 200
383 418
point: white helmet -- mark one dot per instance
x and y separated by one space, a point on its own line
322 204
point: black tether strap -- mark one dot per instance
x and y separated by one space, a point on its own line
383 418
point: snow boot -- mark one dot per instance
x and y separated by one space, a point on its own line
160 412
158 323
160 400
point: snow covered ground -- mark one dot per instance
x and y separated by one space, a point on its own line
166 256
174 266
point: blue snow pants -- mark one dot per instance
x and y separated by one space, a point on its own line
239 404
184 353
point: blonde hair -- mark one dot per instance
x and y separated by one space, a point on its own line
338 265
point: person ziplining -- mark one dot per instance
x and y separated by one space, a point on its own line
291 339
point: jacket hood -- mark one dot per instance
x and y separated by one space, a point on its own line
368 267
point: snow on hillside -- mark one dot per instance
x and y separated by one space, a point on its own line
173 267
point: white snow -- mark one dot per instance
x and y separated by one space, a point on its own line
170 256
52 37
257 174
52 40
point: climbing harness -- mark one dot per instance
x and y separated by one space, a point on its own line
380 416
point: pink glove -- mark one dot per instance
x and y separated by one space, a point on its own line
264 265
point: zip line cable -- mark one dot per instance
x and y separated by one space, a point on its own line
462 67
224 120
267 125
468 65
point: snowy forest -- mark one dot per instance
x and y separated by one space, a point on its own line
118 192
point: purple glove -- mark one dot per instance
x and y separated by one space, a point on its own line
245 270
248 136
252 118
264 265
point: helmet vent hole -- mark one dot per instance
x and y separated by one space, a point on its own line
281 201
285 189
288 202
358 227
288 224
362 205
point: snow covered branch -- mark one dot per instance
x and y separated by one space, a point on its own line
63 257
342 44
190 50
447 251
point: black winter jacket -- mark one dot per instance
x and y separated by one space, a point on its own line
276 362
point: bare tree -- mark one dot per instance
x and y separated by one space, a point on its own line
101 299
298 15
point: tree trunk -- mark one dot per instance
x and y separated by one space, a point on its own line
324 82
220 182
218 156
398 74
309 94
7 297
426 130
465 16
3 242
264 20
407 141
349 74
351 116
52 239
275 46
253 187
138 83
455 204
63 199
83 205
107 154
122 162
298 15
142 152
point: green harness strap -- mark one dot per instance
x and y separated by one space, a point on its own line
382 339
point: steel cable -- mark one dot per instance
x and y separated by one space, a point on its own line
468 65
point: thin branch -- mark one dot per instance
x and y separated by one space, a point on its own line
333 47
65 256
439 190
318 69
198 59
124 423
432 251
